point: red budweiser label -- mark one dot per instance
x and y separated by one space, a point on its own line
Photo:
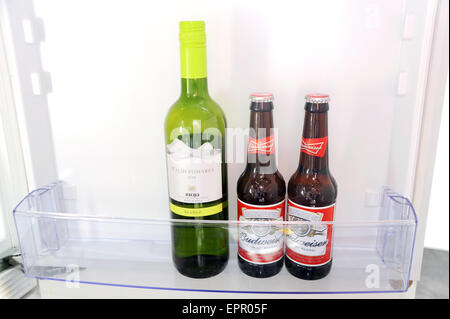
309 244
314 146
264 145
261 243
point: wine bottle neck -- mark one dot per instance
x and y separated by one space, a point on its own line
193 70
193 59
194 88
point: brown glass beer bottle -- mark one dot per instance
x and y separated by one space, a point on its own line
312 193
261 192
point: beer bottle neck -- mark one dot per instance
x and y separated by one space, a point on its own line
314 145
261 146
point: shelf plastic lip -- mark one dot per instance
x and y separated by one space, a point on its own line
235 291
398 222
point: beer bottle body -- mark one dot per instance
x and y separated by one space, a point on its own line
261 192
312 193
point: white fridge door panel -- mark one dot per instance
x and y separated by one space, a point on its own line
113 71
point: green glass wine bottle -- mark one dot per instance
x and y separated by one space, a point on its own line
196 167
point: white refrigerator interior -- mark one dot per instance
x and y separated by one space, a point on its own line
94 80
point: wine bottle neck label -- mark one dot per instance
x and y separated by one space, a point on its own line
194 175
309 245
260 243
193 62
314 146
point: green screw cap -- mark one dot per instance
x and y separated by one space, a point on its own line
192 33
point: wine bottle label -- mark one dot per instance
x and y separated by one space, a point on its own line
314 146
261 243
309 245
194 175
261 145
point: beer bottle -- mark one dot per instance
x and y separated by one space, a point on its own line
261 192
196 168
312 193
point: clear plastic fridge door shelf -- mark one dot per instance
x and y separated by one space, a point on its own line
60 243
